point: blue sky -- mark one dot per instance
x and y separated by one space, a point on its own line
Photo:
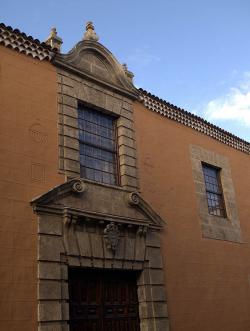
192 53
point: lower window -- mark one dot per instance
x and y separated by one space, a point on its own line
217 208
215 200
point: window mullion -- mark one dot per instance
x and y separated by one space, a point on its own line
215 199
94 163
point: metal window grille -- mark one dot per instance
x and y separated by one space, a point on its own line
215 200
97 140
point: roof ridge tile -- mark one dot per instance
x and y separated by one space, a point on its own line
19 41
197 123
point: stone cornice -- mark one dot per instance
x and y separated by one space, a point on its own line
20 42
75 186
93 61
137 201
61 64
51 202
197 123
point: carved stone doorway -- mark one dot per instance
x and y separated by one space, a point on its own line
103 300
78 227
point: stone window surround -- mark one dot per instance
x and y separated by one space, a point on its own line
74 90
214 227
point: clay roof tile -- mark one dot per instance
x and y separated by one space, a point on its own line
173 112
17 40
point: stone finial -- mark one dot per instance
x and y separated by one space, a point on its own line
125 67
128 73
53 40
90 32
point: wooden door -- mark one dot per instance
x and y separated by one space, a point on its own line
102 300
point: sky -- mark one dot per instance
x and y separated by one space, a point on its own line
192 53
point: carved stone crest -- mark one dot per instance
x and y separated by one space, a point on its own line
111 236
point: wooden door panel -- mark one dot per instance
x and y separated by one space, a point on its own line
85 326
103 300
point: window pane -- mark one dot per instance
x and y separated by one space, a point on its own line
97 146
210 171
215 204
107 178
213 189
97 153
89 173
96 129
97 164
98 176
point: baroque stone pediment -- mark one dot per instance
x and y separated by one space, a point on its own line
94 200
94 61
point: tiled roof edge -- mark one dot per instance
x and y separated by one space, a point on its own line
197 123
20 42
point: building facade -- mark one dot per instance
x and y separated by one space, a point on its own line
118 210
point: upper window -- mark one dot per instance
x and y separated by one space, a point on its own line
97 139
214 193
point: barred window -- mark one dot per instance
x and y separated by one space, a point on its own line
215 200
97 140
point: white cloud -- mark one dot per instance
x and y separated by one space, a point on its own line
234 106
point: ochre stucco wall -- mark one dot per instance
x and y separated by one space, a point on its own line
207 280
28 167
